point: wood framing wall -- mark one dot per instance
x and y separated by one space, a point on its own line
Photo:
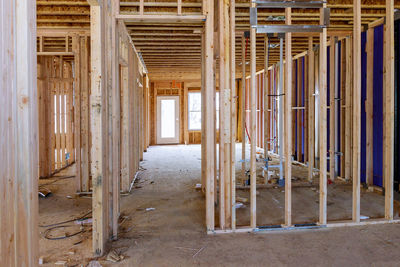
55 101
70 111
117 117
324 117
108 114
340 112
133 112
63 87
19 135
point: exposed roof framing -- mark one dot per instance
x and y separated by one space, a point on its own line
178 45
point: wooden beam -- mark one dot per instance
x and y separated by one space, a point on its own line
179 7
369 106
116 117
253 128
19 132
196 19
243 107
332 110
287 138
76 48
342 105
322 123
55 54
203 125
222 113
226 93
44 111
85 110
141 7
306 108
389 110
293 116
209 92
233 112
99 131
299 122
311 111
125 128
147 82
356 167
348 109
266 101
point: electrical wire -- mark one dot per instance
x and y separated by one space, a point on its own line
46 233
83 217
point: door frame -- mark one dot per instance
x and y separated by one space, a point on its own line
175 140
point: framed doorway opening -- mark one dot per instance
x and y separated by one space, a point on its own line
168 120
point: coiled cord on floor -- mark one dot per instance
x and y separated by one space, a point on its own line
83 217
46 233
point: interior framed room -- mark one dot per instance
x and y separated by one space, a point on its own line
123 119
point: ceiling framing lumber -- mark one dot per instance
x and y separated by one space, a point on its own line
159 25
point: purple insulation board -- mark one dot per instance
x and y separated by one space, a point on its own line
378 106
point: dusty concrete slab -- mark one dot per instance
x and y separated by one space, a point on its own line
173 233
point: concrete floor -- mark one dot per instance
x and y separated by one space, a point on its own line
173 234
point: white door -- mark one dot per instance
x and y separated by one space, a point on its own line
168 119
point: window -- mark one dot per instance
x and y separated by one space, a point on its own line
194 111
194 107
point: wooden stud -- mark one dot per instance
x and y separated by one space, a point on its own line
253 128
293 115
266 100
322 123
233 112
332 110
226 94
41 44
116 117
306 109
67 43
141 7
19 134
343 108
356 166
58 118
299 119
186 114
148 110
389 110
99 131
348 109
62 114
311 113
222 111
76 48
125 129
369 105
209 130
243 107
52 145
179 7
131 113
287 138
69 112
203 120
84 123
